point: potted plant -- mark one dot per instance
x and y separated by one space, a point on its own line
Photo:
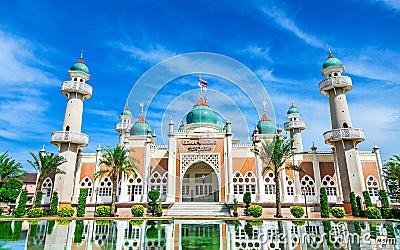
235 207
159 208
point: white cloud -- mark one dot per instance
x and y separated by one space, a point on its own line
265 74
258 52
104 113
281 18
151 54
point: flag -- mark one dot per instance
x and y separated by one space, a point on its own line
203 83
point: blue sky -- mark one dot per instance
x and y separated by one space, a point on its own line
283 42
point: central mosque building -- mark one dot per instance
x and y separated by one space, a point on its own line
204 165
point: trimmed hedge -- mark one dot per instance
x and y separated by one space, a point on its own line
324 203
297 211
338 212
383 196
373 213
395 212
80 210
38 201
103 211
23 199
153 197
255 210
137 211
247 201
354 207
386 213
54 204
367 199
65 211
35 212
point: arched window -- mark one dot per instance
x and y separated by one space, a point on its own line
307 186
87 183
47 187
345 125
269 183
105 188
372 186
135 188
330 185
289 186
244 184
159 183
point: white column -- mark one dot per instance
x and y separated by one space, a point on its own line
379 165
99 155
283 186
317 174
124 197
169 238
297 195
260 197
229 168
171 169
338 182
77 179
146 166
121 227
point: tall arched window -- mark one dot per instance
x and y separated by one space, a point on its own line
105 188
372 186
269 183
331 188
307 186
159 183
47 187
135 188
244 184
289 186
250 182
87 183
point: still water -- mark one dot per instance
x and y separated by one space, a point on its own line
187 234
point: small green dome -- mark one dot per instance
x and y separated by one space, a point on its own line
202 113
126 112
331 61
80 66
266 126
140 127
293 110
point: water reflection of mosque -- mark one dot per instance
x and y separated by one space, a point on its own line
187 234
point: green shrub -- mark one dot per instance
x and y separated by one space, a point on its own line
78 231
65 211
20 210
299 223
63 222
354 207
297 211
137 211
256 223
383 196
136 223
395 213
159 207
367 199
102 222
247 201
386 213
103 211
373 230
80 210
255 210
235 205
54 204
324 203
38 200
373 213
153 197
338 212
35 212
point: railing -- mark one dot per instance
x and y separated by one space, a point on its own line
159 146
71 137
122 126
335 82
294 124
344 133
242 145
80 87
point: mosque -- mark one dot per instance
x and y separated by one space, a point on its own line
204 165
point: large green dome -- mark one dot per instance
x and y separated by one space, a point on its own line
140 127
80 66
266 126
331 61
202 113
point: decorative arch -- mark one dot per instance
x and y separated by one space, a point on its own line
105 187
243 184
47 188
86 182
289 186
372 186
269 183
330 185
159 182
135 187
188 160
308 186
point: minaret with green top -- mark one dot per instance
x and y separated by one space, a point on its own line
343 137
295 126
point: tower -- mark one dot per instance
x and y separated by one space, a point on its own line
295 126
70 139
124 125
343 137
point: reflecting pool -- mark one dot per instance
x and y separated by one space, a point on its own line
198 234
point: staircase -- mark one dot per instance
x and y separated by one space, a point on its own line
199 209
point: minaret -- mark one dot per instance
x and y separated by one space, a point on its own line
70 139
342 136
124 125
295 126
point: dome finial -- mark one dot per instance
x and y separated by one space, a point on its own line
141 105
126 105
81 57
264 106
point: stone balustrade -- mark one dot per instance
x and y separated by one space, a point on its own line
335 82
76 87
59 137
343 134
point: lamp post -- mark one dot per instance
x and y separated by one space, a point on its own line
305 199
96 191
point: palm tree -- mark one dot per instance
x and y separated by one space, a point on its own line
116 162
392 175
9 168
274 155
46 164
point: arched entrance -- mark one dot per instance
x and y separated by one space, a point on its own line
200 184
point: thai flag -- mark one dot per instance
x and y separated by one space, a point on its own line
203 83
